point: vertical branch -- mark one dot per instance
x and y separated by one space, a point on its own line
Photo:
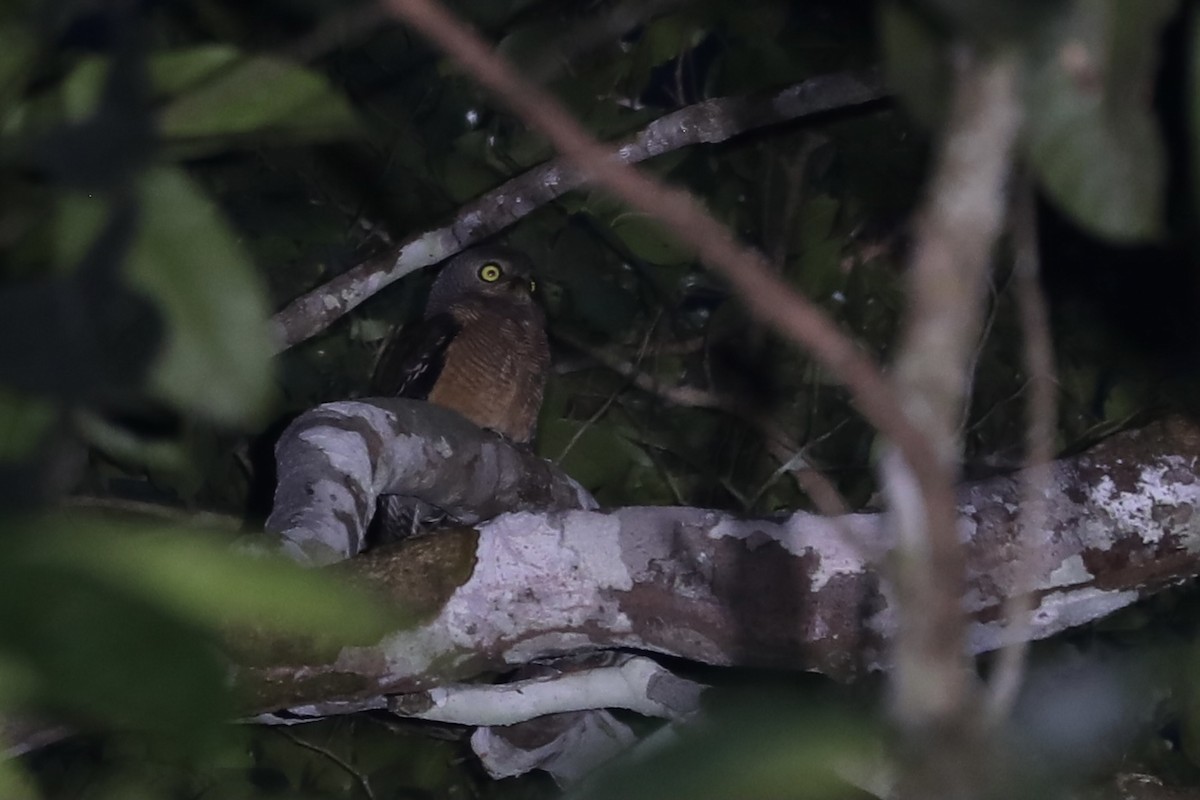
958 225
1041 418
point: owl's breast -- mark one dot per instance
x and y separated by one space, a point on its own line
494 372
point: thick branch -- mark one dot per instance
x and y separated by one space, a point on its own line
793 593
335 461
958 226
708 122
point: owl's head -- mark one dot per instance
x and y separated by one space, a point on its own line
484 272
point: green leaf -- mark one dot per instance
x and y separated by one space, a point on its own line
195 578
15 784
19 680
1091 131
258 94
916 60
818 267
216 360
670 36
79 218
176 71
765 747
24 423
17 49
108 655
466 174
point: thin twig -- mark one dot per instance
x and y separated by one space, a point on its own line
363 783
780 444
794 462
609 401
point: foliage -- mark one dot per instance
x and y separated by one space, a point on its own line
170 173
132 311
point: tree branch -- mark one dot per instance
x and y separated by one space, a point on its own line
336 461
629 683
792 593
708 122
933 692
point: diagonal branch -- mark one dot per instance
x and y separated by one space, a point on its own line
708 122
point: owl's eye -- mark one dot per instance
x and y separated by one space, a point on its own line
490 272
532 285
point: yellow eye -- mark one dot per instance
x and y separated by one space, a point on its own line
532 285
490 272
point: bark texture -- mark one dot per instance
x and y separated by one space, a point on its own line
801 592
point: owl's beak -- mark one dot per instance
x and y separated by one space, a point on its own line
519 284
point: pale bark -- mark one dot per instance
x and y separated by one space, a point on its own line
802 592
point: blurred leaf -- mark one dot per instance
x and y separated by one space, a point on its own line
84 334
19 680
79 217
198 579
176 71
15 784
17 49
765 748
125 446
1092 135
216 360
669 36
81 89
916 60
24 423
258 94
77 95
818 268
103 654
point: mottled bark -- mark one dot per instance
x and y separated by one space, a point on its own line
336 461
801 592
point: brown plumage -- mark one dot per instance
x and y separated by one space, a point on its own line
480 349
